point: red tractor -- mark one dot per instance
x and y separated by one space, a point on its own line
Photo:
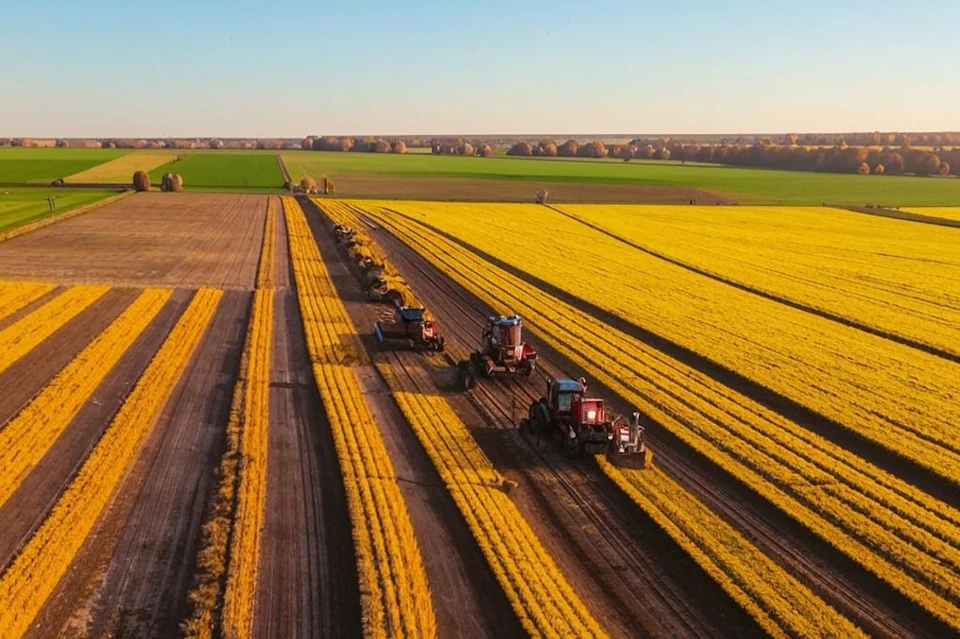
412 325
582 426
502 352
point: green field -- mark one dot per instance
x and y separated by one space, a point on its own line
748 186
24 205
225 170
18 166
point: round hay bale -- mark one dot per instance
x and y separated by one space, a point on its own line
141 181
176 183
308 184
863 169
879 169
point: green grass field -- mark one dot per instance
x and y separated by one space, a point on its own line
24 205
18 166
748 186
225 170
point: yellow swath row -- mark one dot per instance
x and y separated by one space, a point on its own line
16 295
26 438
545 603
34 574
780 604
240 595
899 533
899 397
28 332
394 594
882 273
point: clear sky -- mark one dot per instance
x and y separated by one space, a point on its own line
286 69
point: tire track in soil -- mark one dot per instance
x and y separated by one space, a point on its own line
67 611
467 599
871 604
307 578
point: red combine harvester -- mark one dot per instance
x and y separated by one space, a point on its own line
410 324
581 425
502 352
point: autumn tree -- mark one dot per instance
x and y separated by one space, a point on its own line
569 149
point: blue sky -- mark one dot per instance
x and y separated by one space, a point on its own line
112 68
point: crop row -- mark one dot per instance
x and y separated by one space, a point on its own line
16 295
245 545
902 535
34 574
881 273
545 603
899 397
782 605
30 331
26 438
395 597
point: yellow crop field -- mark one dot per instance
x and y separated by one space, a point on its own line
546 604
899 397
46 557
781 605
121 170
394 592
899 533
25 334
17 295
946 212
884 274
26 438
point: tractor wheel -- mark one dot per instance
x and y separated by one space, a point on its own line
469 381
439 344
477 363
529 369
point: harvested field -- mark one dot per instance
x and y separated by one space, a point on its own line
203 438
121 170
162 239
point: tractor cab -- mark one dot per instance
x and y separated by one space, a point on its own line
410 314
565 396
503 335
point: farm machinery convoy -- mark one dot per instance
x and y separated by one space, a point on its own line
580 425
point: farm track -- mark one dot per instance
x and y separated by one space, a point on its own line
872 605
307 581
468 601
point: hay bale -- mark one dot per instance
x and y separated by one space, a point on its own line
879 169
308 184
171 183
863 169
141 181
